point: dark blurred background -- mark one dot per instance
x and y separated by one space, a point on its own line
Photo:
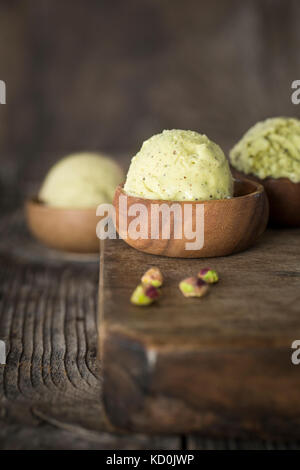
105 75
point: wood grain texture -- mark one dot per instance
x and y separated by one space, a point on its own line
48 321
220 365
50 388
53 404
227 225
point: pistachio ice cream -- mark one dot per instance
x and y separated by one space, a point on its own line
179 165
271 148
81 180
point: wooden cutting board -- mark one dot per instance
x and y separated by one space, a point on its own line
220 365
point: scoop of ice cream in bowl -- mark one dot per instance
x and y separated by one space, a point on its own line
180 199
63 214
179 165
269 153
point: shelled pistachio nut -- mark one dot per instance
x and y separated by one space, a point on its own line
193 287
144 295
208 275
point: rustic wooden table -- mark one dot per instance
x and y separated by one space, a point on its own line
50 388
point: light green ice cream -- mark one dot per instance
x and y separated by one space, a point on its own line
81 180
179 165
271 148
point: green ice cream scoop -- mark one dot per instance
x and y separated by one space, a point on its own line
80 181
179 165
270 148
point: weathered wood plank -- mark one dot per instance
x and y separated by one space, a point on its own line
50 393
50 388
48 321
220 365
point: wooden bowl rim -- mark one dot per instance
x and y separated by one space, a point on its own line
34 203
258 189
282 179
279 180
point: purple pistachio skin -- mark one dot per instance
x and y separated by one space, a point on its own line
152 292
204 271
144 296
208 275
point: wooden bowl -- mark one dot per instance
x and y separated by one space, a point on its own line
230 225
284 199
72 230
